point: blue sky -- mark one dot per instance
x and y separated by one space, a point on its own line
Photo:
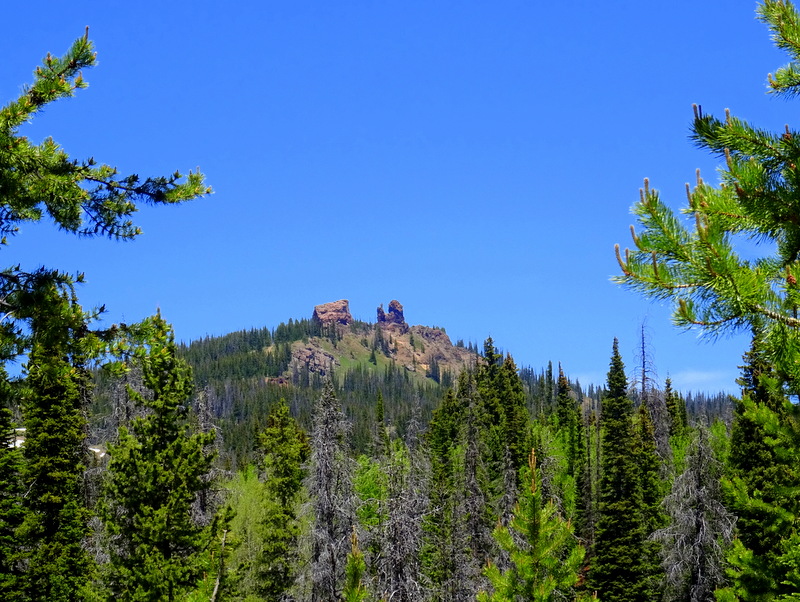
476 161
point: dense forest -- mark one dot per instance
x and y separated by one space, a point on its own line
330 460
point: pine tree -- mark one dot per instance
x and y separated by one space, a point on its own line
80 196
156 472
44 323
355 569
618 573
762 490
285 452
713 286
545 557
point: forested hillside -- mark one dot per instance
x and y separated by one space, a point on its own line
329 459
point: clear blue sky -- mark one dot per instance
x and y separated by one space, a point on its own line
474 160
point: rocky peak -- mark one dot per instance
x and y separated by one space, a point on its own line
393 320
336 312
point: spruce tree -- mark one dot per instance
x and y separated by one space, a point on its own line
676 407
54 403
11 499
286 450
568 422
458 527
444 443
156 471
617 573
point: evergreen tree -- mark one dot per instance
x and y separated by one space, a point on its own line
54 403
458 527
354 589
444 440
503 428
676 407
762 490
285 452
713 286
11 500
81 197
545 557
44 322
568 422
649 465
381 434
618 573
156 472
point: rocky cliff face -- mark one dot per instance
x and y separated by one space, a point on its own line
336 312
394 320
425 351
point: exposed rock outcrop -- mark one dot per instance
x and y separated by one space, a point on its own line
315 360
393 320
337 312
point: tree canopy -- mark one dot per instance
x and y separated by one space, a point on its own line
699 264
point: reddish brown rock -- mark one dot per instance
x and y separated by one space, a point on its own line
394 320
337 312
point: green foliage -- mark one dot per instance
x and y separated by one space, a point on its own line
676 406
545 557
286 450
80 196
246 496
11 491
503 427
619 572
54 399
156 471
651 488
369 484
568 422
43 504
354 589
700 268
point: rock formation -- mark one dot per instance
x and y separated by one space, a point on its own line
393 320
315 360
337 312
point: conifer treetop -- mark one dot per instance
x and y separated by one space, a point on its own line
81 196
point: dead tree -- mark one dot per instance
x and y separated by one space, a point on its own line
699 530
331 493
